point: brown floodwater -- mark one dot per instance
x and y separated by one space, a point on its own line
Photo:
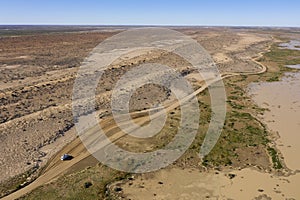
282 98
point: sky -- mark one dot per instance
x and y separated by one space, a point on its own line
152 12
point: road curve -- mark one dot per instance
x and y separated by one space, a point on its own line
56 167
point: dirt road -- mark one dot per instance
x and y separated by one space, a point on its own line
56 167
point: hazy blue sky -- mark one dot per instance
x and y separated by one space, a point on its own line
151 12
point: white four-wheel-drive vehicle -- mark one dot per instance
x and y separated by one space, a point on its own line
66 157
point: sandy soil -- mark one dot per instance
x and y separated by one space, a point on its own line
245 41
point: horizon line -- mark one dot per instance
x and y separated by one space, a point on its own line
153 25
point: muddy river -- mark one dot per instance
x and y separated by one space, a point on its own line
283 101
